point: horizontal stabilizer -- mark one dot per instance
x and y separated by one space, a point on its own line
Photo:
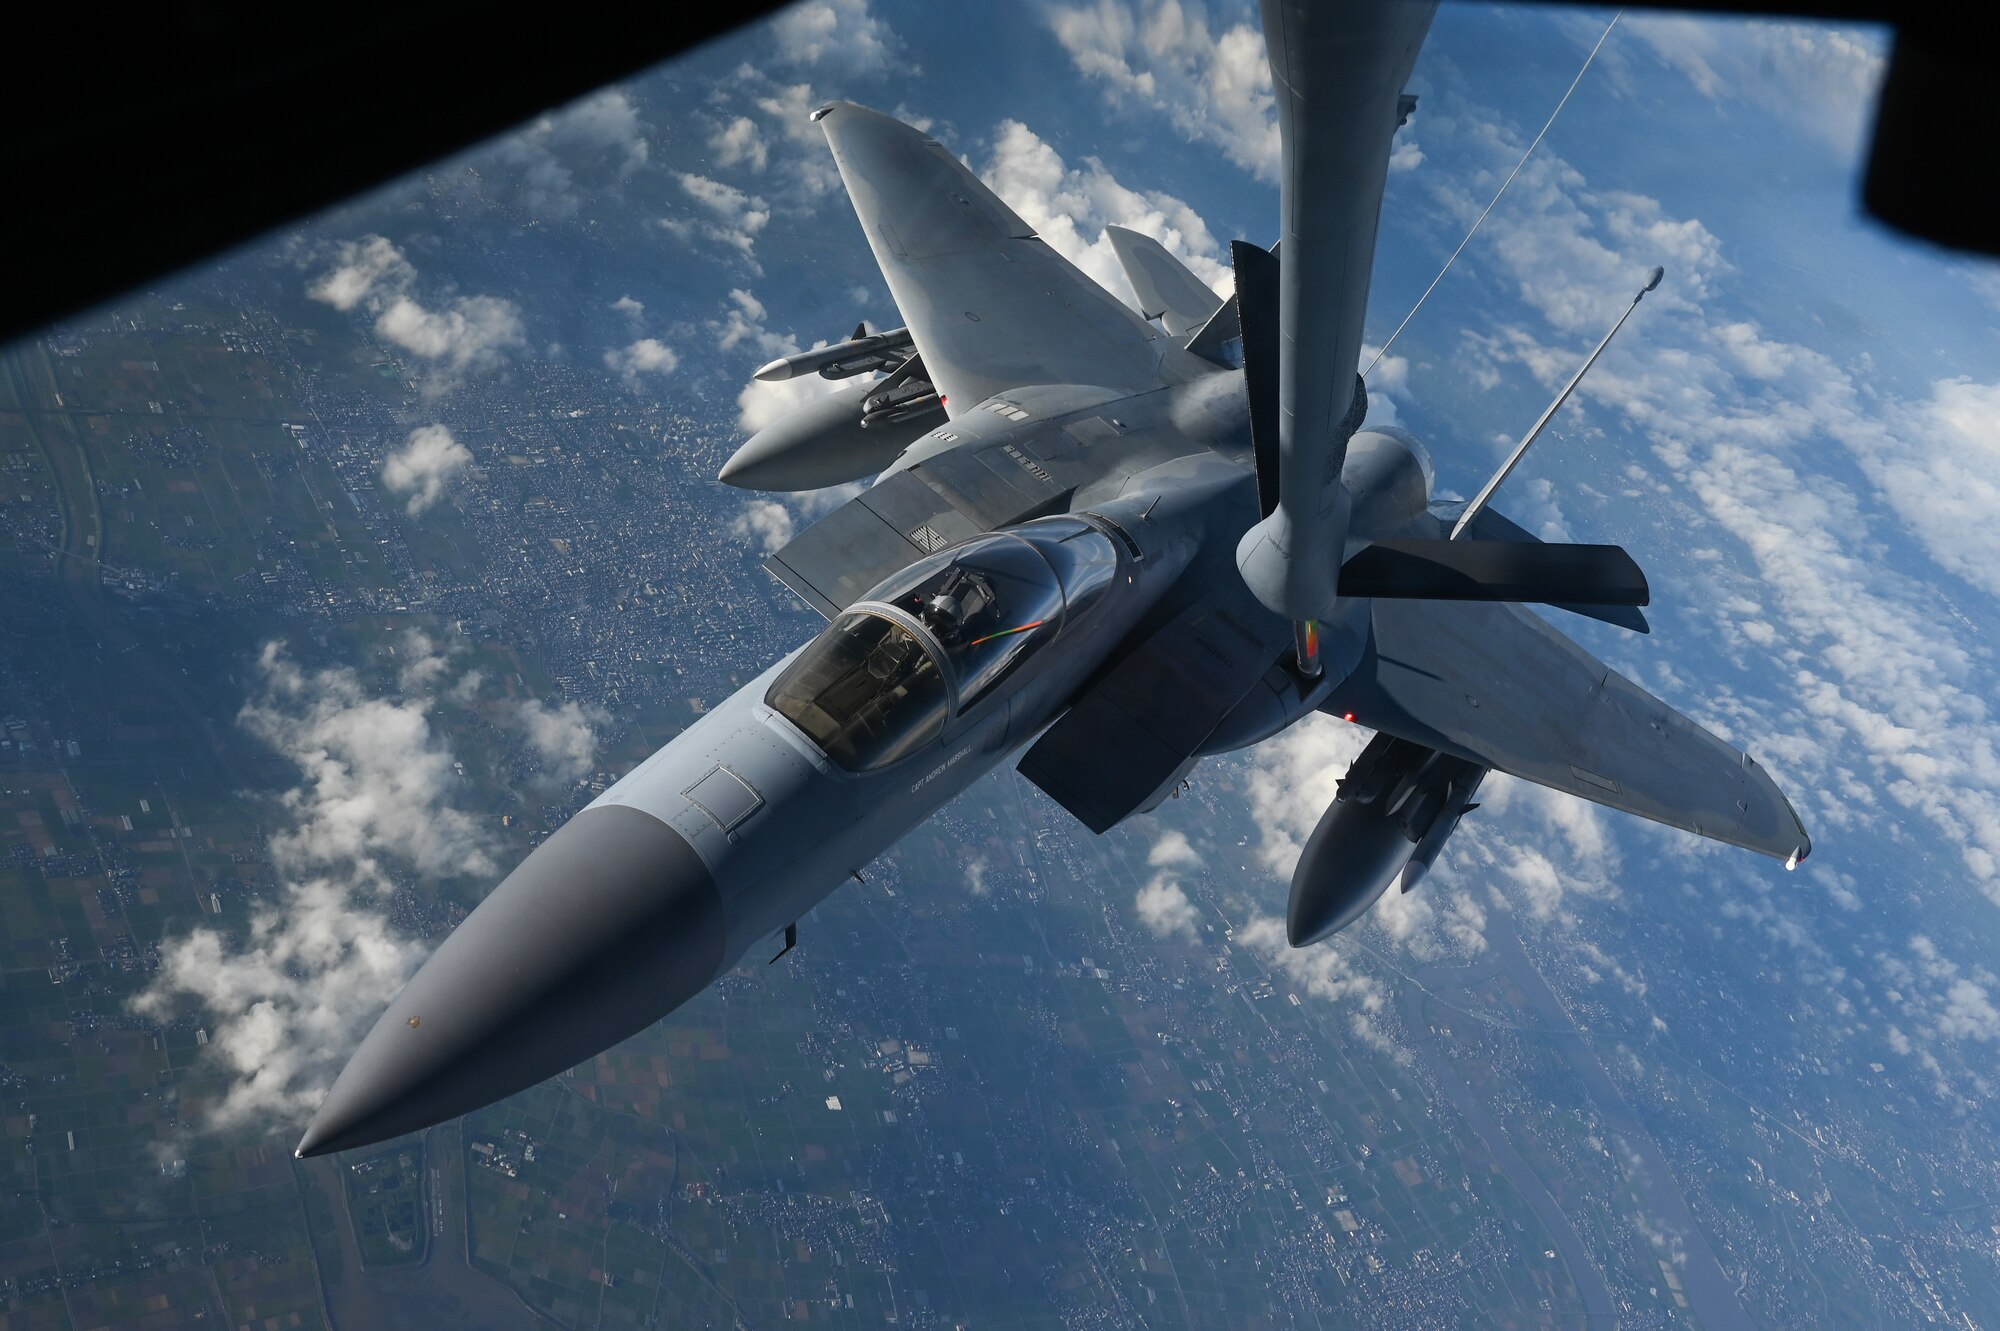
1431 570
1501 687
1489 524
1211 341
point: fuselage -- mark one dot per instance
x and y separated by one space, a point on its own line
737 828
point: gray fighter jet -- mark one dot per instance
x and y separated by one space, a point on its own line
1101 547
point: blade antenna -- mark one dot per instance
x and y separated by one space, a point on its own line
1479 501
1496 196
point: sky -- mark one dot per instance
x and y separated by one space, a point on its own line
1796 435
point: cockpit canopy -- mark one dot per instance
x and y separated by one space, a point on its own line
885 677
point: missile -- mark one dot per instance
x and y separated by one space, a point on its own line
857 355
1456 805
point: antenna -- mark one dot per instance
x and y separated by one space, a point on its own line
1546 126
1479 501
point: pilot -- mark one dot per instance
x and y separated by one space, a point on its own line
962 596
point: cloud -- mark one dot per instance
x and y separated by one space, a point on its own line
288 1001
758 404
975 876
799 172
1069 207
462 335
360 268
564 737
634 310
1163 903
1325 971
1817 78
376 777
734 217
840 36
766 522
424 662
1574 255
599 139
648 355
1939 468
1164 908
1161 56
421 468
471 333
1292 781
738 143
1172 851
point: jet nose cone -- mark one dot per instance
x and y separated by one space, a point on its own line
606 927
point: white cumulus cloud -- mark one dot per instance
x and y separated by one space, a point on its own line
360 268
1069 207
841 36
1163 57
1164 908
730 216
765 522
428 459
599 139
459 335
646 356
289 1000
739 143
564 737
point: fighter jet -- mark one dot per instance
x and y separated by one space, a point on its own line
1100 543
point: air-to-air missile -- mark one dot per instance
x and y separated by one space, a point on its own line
1100 548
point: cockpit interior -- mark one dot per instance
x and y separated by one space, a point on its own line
885 677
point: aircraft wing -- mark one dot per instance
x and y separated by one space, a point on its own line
988 303
1496 684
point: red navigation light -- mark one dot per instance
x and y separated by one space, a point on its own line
1347 716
